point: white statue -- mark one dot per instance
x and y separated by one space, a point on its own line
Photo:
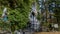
4 15
4 11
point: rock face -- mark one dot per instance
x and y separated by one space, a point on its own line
5 32
25 31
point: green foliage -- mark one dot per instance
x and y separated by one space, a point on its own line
18 12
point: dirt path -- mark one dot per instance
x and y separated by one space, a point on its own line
47 33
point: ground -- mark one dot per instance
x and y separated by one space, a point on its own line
47 33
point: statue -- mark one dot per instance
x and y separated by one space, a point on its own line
4 15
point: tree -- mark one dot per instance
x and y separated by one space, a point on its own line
18 12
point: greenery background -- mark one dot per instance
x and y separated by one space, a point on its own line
18 12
